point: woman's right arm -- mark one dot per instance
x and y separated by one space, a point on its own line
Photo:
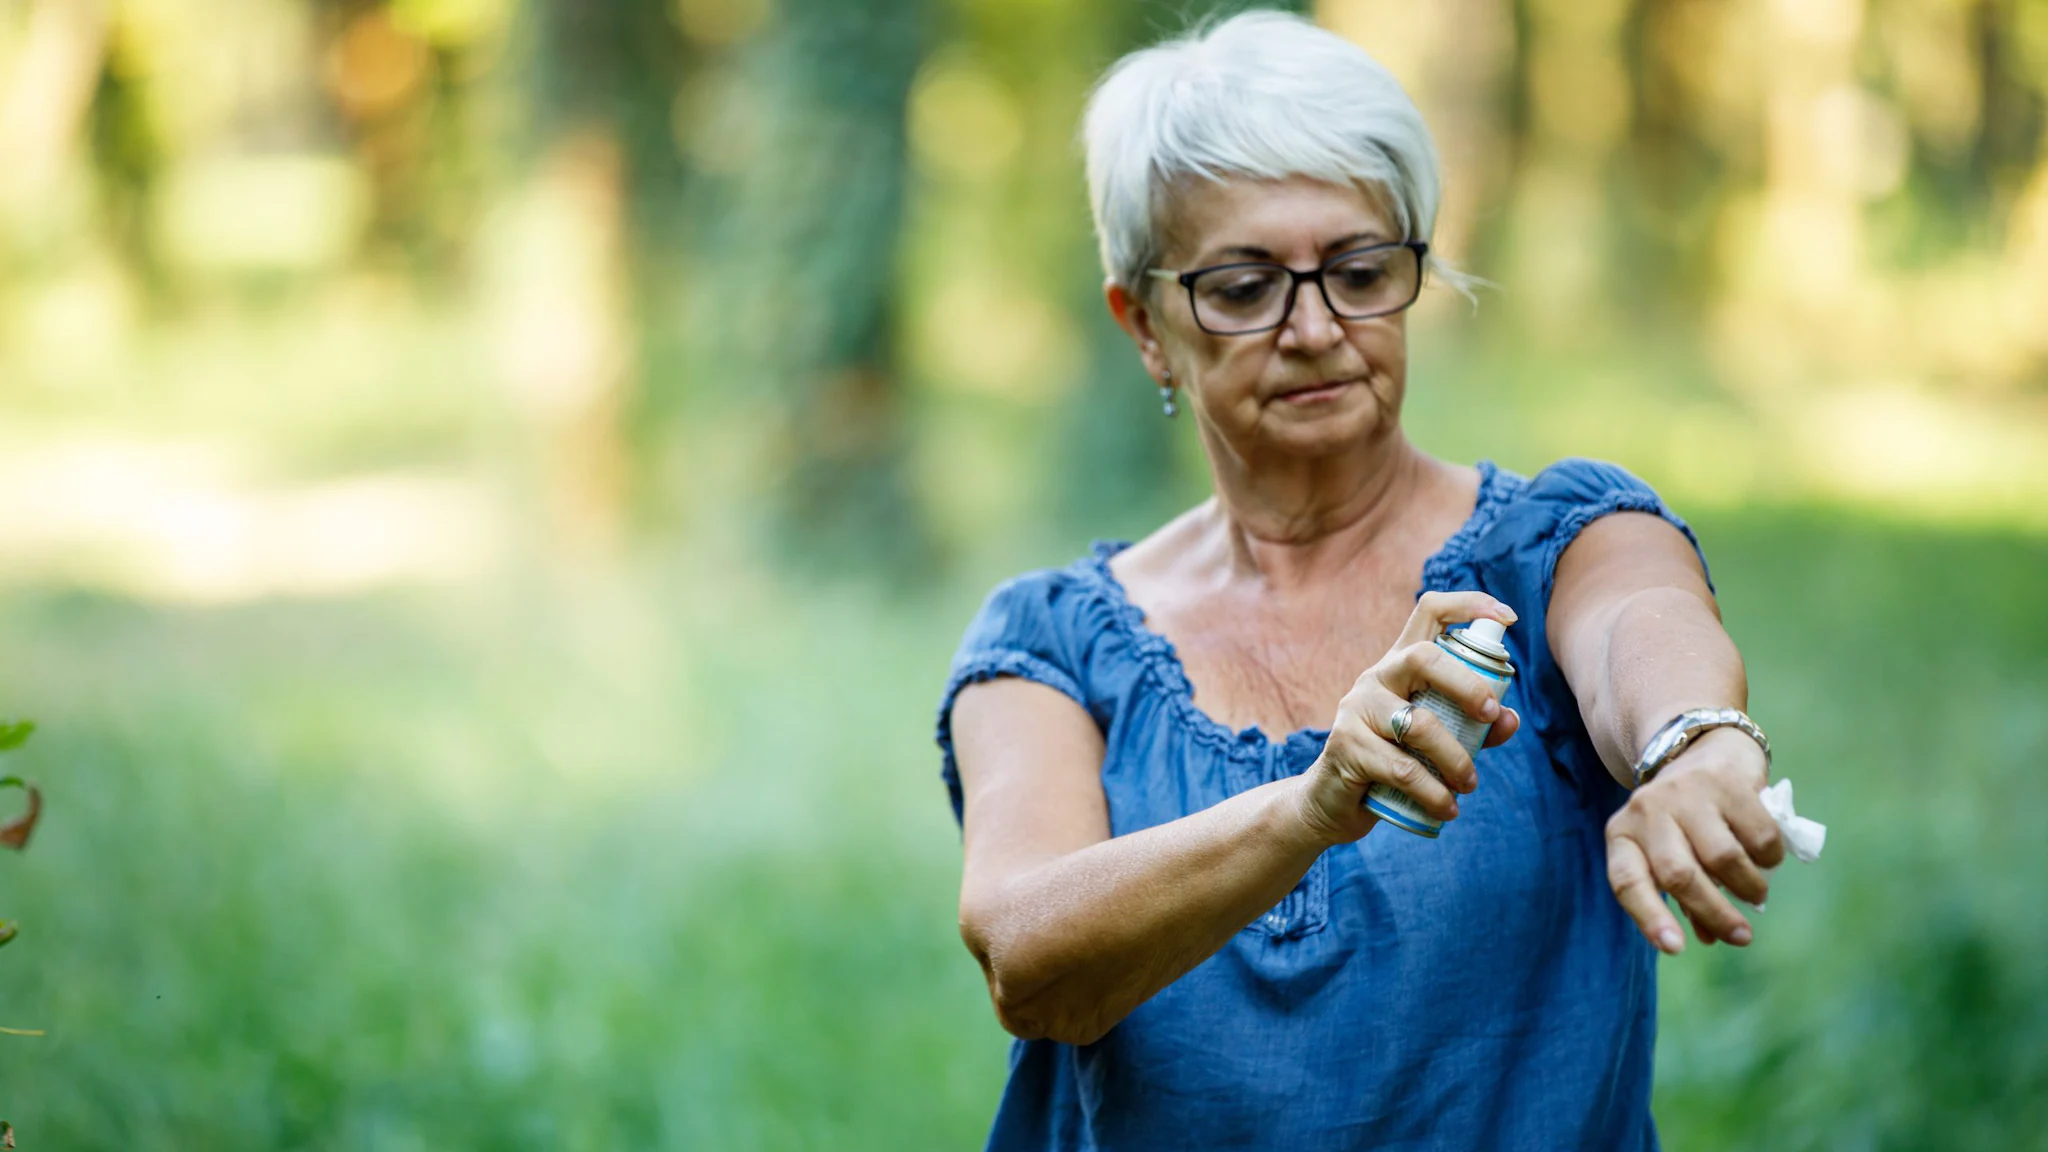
1074 929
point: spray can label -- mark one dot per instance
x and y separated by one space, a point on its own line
1397 807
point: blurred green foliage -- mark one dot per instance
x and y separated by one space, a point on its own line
488 489
666 863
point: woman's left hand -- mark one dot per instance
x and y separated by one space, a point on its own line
1695 828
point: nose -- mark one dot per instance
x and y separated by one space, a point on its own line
1311 327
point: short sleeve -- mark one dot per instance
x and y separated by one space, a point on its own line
1024 629
1517 560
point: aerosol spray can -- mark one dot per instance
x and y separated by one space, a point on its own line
1479 647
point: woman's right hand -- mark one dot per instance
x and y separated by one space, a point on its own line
1361 750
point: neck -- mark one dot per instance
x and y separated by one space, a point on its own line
1288 523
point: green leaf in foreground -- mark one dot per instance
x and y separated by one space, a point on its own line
15 833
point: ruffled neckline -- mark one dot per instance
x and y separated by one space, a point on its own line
1158 656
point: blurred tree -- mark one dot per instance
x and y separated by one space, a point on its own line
615 66
586 244
409 81
797 286
49 67
127 154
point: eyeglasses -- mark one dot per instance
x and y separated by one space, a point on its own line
1240 299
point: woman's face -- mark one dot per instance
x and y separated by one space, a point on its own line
1315 386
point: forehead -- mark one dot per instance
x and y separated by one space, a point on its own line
1292 220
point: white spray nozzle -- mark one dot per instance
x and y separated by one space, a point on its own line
1487 633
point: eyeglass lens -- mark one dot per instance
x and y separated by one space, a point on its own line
1249 297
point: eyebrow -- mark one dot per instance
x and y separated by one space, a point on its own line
1254 252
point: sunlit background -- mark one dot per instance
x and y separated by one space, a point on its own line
488 490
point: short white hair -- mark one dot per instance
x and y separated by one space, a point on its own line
1266 95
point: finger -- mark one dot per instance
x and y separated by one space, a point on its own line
1432 739
1427 734
1421 667
1702 933
1408 772
1680 873
1751 824
1384 762
1362 755
1507 724
1726 860
1628 873
1434 611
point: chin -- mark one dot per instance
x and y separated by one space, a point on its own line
1333 433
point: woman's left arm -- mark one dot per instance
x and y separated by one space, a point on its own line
1638 636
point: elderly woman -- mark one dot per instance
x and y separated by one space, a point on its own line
1199 934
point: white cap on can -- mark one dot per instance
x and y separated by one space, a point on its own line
1485 633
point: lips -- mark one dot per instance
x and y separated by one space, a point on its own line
1314 393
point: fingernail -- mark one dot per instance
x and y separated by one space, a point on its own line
1740 935
1489 710
1670 941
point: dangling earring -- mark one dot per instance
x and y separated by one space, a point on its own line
1166 397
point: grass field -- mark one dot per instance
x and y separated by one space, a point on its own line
663 861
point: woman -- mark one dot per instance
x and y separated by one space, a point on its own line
1197 933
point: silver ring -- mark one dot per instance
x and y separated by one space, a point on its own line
1400 722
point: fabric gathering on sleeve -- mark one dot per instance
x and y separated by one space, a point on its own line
1020 631
1517 560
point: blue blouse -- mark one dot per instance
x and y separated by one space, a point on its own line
1481 990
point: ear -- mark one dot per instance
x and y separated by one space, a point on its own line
1136 320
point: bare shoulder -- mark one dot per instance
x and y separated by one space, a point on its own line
1153 564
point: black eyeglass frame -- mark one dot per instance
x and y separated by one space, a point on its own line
1187 280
